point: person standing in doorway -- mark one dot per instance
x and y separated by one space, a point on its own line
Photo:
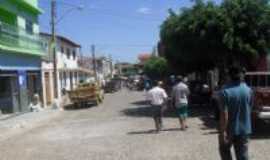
235 116
157 97
180 101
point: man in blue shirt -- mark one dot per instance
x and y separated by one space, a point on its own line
235 116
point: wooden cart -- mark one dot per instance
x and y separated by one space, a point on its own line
86 94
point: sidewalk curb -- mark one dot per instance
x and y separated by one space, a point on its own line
7 117
20 123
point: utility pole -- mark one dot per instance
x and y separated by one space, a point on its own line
93 49
111 65
155 51
53 47
119 67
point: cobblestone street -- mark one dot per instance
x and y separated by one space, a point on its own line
120 129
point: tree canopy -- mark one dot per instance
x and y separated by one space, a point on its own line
156 67
209 35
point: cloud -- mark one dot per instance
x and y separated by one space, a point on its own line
91 6
144 10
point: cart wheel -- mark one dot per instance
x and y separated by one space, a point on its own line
76 105
100 99
97 102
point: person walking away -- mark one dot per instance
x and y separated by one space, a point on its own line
235 116
157 97
180 101
147 84
215 102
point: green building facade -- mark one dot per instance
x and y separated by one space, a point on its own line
20 54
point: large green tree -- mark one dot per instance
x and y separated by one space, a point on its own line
247 33
156 67
209 35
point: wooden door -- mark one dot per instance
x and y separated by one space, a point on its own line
15 94
48 88
71 80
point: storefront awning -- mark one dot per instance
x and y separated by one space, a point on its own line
12 62
14 68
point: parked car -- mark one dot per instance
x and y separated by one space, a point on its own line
260 83
112 86
200 94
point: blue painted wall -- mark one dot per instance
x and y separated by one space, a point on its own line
13 61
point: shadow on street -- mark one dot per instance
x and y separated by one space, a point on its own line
72 107
262 130
152 131
142 109
204 113
140 103
208 123
146 111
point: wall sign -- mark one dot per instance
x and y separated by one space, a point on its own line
22 78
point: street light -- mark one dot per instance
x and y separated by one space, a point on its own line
54 22
80 7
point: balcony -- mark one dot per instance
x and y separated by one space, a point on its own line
15 39
31 5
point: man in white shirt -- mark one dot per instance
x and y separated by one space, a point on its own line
180 101
157 97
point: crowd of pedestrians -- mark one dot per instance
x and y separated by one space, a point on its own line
233 101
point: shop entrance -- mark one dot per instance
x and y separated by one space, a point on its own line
9 94
48 88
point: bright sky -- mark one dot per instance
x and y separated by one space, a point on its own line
121 28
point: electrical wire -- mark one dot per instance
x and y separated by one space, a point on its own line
112 13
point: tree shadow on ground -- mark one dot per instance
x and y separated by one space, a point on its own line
151 131
204 113
261 131
71 107
140 103
142 109
146 111
208 123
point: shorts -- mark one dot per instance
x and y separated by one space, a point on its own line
157 111
182 110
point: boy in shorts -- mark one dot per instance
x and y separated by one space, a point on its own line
180 100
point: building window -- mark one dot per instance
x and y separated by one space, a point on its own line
64 79
68 53
61 80
45 45
74 54
29 27
76 77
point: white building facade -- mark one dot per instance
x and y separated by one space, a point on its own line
68 71
105 69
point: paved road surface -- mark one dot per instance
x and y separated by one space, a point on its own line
120 129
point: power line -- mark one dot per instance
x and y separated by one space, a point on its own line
109 12
113 14
124 45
